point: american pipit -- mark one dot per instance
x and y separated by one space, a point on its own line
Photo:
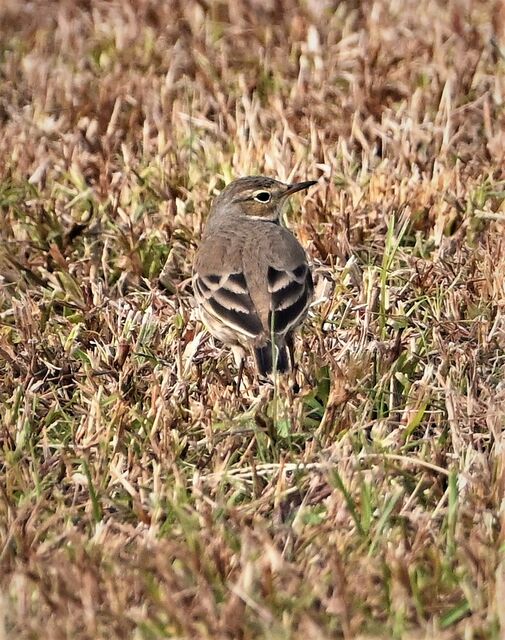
251 278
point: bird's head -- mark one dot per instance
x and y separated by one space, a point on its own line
257 197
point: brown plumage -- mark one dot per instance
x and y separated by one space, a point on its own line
251 278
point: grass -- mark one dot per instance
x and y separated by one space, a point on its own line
139 497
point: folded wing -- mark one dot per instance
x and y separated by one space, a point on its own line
226 297
290 293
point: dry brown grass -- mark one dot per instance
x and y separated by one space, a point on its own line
139 498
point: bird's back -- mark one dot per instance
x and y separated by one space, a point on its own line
272 262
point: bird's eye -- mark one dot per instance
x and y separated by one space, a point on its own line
262 196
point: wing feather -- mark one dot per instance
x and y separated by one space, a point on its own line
227 299
289 303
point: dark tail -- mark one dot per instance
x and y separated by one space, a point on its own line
264 359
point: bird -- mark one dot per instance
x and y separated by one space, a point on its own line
251 277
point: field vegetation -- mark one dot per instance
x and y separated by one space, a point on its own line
140 497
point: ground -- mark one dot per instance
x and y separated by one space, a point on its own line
140 497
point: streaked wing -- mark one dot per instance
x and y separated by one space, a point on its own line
225 296
291 292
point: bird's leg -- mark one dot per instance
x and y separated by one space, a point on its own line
239 376
239 356
290 343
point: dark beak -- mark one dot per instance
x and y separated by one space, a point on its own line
298 186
